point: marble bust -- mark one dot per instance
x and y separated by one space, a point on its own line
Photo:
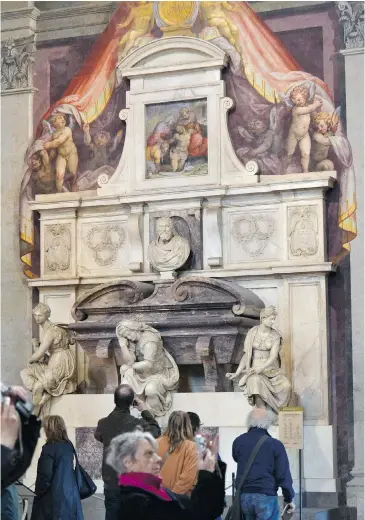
260 371
51 370
168 251
147 367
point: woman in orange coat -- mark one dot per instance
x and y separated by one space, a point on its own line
180 462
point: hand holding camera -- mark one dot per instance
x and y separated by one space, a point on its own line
10 423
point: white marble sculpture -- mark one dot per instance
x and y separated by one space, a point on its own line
260 370
168 251
51 370
147 367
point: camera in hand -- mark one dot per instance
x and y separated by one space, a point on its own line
24 408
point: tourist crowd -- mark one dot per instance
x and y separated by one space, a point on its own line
147 475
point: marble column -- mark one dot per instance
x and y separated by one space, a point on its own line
18 26
350 14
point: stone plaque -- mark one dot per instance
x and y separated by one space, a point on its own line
291 427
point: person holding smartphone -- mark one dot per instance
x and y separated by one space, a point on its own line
121 421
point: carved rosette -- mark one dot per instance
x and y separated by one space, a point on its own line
351 16
17 58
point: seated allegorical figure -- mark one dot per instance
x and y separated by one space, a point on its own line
263 379
147 367
51 370
168 251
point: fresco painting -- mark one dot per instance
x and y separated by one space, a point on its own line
284 118
177 139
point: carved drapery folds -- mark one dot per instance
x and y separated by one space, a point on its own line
17 58
351 15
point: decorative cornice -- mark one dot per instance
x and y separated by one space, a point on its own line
351 16
91 8
25 12
17 58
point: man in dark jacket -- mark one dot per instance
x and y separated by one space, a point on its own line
269 471
121 421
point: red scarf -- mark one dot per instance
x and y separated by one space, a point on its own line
145 481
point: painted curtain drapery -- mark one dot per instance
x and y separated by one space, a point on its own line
257 80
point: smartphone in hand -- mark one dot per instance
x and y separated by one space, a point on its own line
286 515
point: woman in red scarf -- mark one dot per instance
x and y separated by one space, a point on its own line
134 456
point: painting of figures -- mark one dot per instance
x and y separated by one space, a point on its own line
177 139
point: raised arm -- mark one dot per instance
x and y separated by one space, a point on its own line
128 357
308 109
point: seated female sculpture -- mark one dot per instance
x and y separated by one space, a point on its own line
51 369
263 380
147 367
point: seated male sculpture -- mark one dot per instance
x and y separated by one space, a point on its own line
168 251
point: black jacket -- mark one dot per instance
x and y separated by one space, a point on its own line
13 463
57 494
117 422
205 503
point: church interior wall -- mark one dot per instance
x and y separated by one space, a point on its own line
324 379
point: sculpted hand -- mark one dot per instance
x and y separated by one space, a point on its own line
35 343
231 375
124 368
257 370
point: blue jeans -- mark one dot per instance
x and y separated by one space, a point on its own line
256 506
10 503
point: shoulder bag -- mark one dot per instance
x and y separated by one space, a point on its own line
235 511
85 484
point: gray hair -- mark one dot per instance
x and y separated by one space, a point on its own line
260 418
126 445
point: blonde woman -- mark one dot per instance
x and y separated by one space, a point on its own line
180 461
57 494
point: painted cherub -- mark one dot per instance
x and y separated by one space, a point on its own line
300 99
215 16
325 126
142 20
62 143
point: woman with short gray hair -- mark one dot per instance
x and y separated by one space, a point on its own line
134 456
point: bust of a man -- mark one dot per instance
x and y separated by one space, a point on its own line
168 251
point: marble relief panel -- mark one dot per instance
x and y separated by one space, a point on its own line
102 246
57 249
303 232
253 236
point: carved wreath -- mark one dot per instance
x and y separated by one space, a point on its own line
253 233
105 241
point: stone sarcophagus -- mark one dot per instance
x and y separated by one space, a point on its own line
202 322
